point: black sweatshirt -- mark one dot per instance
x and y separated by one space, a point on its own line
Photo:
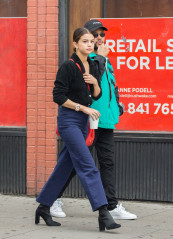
69 83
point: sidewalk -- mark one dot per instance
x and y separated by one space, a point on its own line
155 221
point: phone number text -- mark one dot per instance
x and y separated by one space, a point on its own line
145 108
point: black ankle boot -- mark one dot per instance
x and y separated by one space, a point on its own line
44 212
106 220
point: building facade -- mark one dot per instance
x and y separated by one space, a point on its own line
41 33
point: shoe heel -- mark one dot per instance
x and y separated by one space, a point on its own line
101 226
37 218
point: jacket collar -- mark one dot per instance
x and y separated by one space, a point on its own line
77 60
92 55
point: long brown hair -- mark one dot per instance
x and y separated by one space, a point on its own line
79 32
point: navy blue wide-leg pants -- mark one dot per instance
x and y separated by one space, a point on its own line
73 127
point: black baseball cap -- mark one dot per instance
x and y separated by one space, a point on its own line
93 25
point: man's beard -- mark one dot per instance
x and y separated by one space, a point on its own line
95 47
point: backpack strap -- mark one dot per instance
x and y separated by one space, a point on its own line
77 65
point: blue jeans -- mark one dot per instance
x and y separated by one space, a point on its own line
73 127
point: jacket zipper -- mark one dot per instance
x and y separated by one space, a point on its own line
110 91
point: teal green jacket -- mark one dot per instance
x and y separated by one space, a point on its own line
107 103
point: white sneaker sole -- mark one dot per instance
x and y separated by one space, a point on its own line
55 215
124 218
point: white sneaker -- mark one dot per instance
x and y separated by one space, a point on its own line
56 209
121 214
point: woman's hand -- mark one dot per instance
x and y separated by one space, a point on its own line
89 79
95 114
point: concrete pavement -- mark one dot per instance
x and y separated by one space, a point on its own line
155 221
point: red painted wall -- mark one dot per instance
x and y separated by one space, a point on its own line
13 70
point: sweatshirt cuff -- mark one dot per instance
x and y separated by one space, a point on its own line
99 95
60 101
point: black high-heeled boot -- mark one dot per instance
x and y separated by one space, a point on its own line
44 212
106 220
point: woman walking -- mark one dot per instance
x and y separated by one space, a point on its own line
77 82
